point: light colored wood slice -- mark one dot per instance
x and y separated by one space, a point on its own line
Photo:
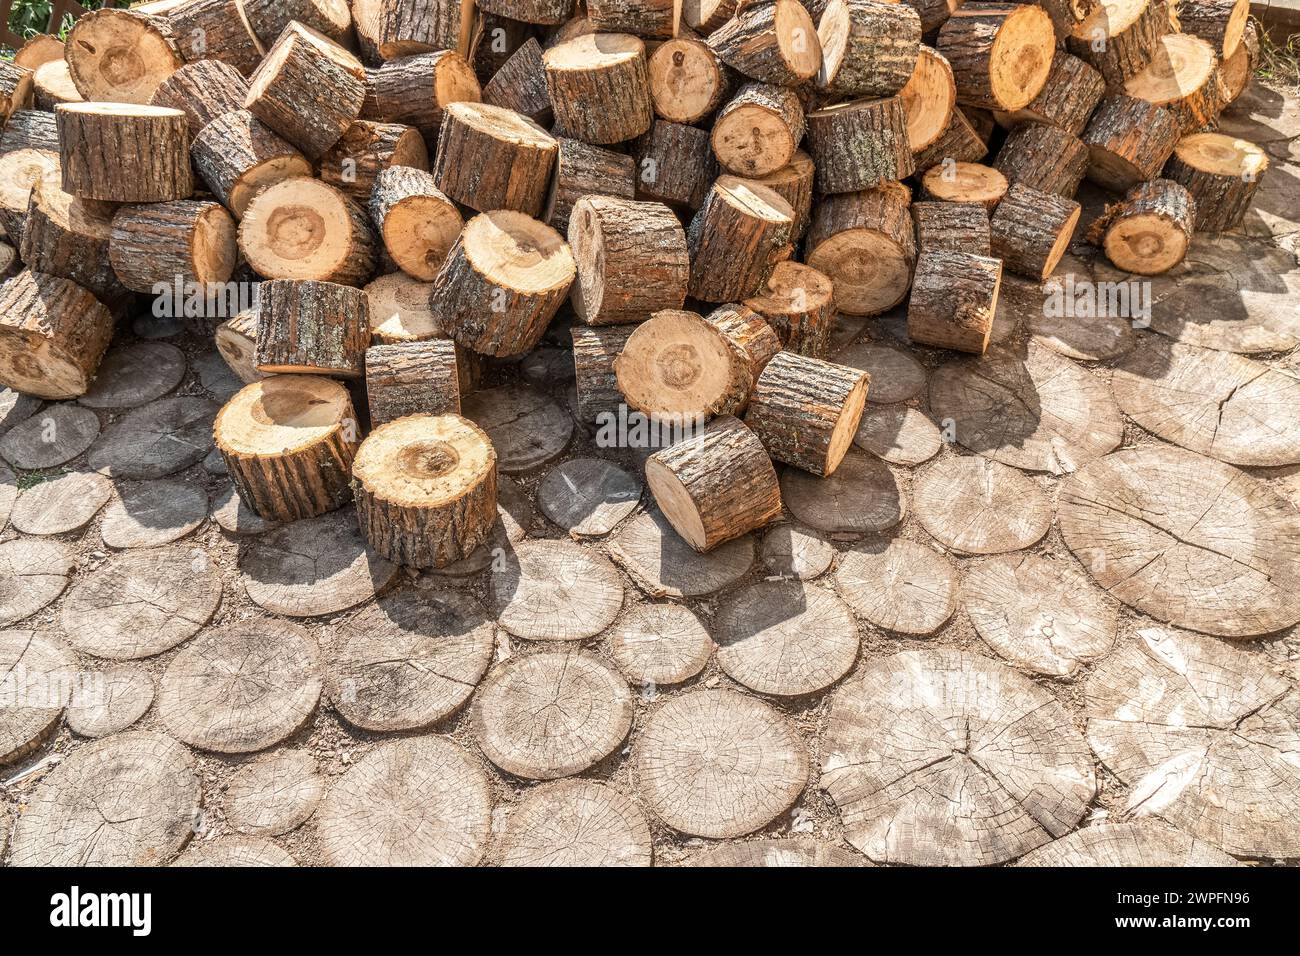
62 504
274 794
230 512
156 440
660 644
415 802
109 701
315 566
576 823
786 638
135 374
943 757
900 585
863 496
1126 844
1219 404
555 591
977 506
15 408
39 676
895 375
898 434
1186 539
58 434
142 603
790 551
32 574
232 851
302 228
716 763
663 565
588 497
120 56
527 428
128 800
410 659
153 513
800 851
400 311
551 714
1201 733
1094 338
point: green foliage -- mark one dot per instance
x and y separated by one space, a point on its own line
30 17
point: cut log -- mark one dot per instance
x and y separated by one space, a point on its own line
124 153
929 99
964 182
1237 69
1149 232
1220 23
959 142
1221 172
545 12
687 80
677 367
503 281
490 158
675 165
39 50
368 149
1031 229
15 89
216 30
750 332
426 489
30 129
288 442
954 299
799 304
1044 157
599 85
651 19
52 336
416 90
585 170
120 56
771 41
1128 140
863 242
268 18
412 378
1068 14
859 145
715 486
588 497
520 84
203 91
758 131
868 49
1183 77
52 84
594 352
185 240
705 16
793 182
1119 37
236 340
737 237
934 13
952 226
631 260
416 222
1000 53
135 375
238 155
317 328
1072 91
409 27
69 237
301 228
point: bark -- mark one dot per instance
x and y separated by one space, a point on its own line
52 335
954 298
631 260
1044 157
583 170
416 90
125 154
1072 91
216 30
161 242
952 226
675 165
599 87
520 84
408 27
1031 230
594 351
736 239
203 91
1222 189
312 327
412 378
489 158
1129 140
868 49
859 145
1012 80
751 43
237 154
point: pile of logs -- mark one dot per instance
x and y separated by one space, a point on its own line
420 186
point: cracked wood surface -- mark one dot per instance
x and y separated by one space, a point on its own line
1126 844
36 673
660 644
555 591
663 565
979 506
274 794
576 823
32 574
110 702
901 586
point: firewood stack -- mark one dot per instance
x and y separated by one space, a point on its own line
700 195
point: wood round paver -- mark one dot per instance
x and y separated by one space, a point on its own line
660 644
978 506
527 428
555 591
37 678
58 434
230 512
32 574
946 758
156 440
1088 338
588 497
234 851
663 565
863 496
274 794
800 851
8 493
898 434
899 585
61 504
109 701
895 375
1127 844
153 513
135 374
15 407
790 551
576 823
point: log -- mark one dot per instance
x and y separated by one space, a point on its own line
409 27
735 240
426 489
1068 14
594 352
771 41
415 221
117 152
1183 77
236 340
793 182
859 145
585 170
412 378
958 143
675 165
952 226
1044 157
705 16
1149 231
1072 91
750 331
288 442
203 91
1237 69
491 158
159 243
268 18
687 80
1221 172
368 149
678 368
1128 141
934 13
39 50
302 228
964 182
650 19
22 170
599 85
69 237
1220 23
308 89
30 129
216 30
120 56
313 328
631 260
954 299
799 304
868 49
929 99
806 411
716 486
52 84
1119 38
520 84
863 242
416 90
15 89
1000 53
545 12
1031 229
237 155
52 335
758 131
503 281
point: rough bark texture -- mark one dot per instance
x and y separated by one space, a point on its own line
520 84
599 97
313 327
15 88
736 239
594 351
1219 23
749 332
1223 191
954 297
366 150
216 30
407 27
1031 230
203 91
794 183
1072 91
412 378
868 49
1129 140
799 304
416 90
1119 52
1149 231
489 158
159 242
585 170
546 12
864 243
952 226
959 142
269 18
652 19
69 237
52 336
124 154
1044 157
30 129
859 145
237 154
750 42
675 164
968 38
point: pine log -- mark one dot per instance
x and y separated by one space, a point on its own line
120 56
367 149
964 182
705 16
203 91
929 99
156 243
52 84
52 335
952 226
520 84
793 182
1237 69
546 12
416 90
1031 229
410 27
237 155
594 352
30 129
302 228
954 299
631 260
1221 172
868 49
677 367
117 152
1000 53
1044 157
860 144
1119 38
412 378
491 158
799 304
69 237
1128 141
1183 77
736 239
585 170
675 165
750 331
15 89
863 242
771 41
599 85
21 171
268 18
1149 231
758 131
649 19
687 80
958 143
1220 23
1072 91
315 328
216 30
415 221
236 341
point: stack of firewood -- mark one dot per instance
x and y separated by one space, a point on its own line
419 185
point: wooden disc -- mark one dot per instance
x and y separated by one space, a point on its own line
415 802
156 440
274 794
230 512
527 428
410 659
299 228
1219 404
1126 844
588 497
964 182
660 644
110 701
58 434
895 375
687 82
800 851
115 56
135 374
929 98
39 677
555 591
1186 539
235 852
678 367
418 230
1087 338
8 493
128 800
1039 413
946 758
1180 66
399 310
898 434
978 506
62 504
32 574
900 585
316 566
786 638
241 688
551 714
1201 733
576 823
863 496
153 513
663 565
15 408
716 763
790 551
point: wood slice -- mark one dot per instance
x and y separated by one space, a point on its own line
406 27
155 440
1066 101
520 84
56 436
110 702
415 802
1000 53
772 41
976 506
416 90
399 310
585 170
794 552
1126 844
675 164
152 514
663 565
1043 157
576 823
1183 77
59 505
268 18
16 408
758 130
631 260
412 378
274 794
1150 231
142 603
155 244
943 757
736 239
1031 230
216 31
798 303
1119 37
368 149
551 714
117 152
660 644
929 99
235 852
52 335
35 574
680 368
133 375
867 49
895 375
555 591
964 182
527 429
898 434
954 299
863 243
234 516
417 223
120 56
784 853
1089 339
588 497
1128 140
715 763
52 84
238 155
687 80
301 228
599 86
863 496
39 678
859 145
901 586
1221 173
958 143
129 800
